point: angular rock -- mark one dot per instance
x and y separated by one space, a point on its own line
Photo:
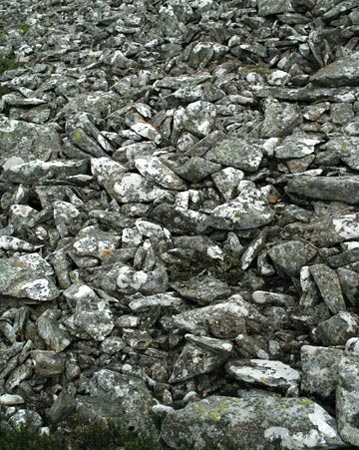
91 313
320 370
342 72
347 401
115 396
291 256
263 372
328 284
339 189
237 153
20 279
338 329
249 210
202 289
262 421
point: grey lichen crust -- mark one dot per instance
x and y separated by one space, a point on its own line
261 422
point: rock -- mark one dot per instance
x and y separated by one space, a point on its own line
27 418
323 188
197 358
268 7
51 332
91 313
340 73
202 289
287 422
20 279
199 118
280 118
338 329
249 210
320 370
268 373
346 404
237 153
116 396
291 256
155 170
48 363
9 400
328 284
27 141
63 406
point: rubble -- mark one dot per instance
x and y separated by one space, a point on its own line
178 219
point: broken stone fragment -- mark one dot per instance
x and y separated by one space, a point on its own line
291 256
202 289
250 209
34 171
280 118
347 399
338 329
155 170
237 153
27 141
329 286
48 363
55 336
91 313
21 279
234 310
114 396
196 360
341 189
320 370
342 72
274 374
287 422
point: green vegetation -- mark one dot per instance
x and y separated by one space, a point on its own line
8 62
93 436
25 27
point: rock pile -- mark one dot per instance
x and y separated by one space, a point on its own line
179 228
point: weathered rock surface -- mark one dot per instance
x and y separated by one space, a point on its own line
178 217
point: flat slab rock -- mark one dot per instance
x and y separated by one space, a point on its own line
342 72
262 422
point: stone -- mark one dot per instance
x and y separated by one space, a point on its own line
325 188
328 284
291 256
237 153
280 118
340 73
27 418
20 279
264 372
320 370
287 422
115 396
27 141
250 209
202 289
48 363
346 400
91 313
338 329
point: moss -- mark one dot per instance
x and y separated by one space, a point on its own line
25 27
8 62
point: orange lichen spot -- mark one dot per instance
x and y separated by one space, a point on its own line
106 252
272 198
